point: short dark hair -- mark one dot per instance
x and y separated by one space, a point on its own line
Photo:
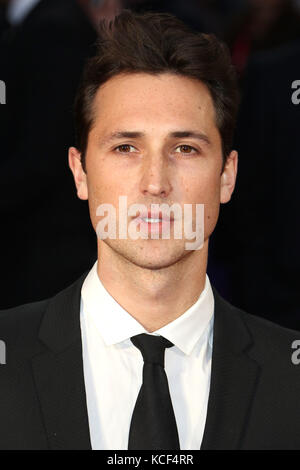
156 43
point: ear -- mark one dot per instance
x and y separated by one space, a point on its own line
79 175
228 177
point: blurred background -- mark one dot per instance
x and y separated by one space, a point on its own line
47 240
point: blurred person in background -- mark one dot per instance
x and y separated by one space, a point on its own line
99 9
208 16
260 227
261 25
261 222
46 240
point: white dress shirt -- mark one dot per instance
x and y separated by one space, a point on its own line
113 365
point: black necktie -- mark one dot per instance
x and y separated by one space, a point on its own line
153 425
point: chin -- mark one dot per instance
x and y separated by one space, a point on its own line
149 254
153 264
156 259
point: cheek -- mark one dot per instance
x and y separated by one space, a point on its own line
105 188
206 191
106 180
212 207
99 192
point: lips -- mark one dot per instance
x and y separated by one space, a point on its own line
155 215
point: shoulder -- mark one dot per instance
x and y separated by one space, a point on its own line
270 343
25 313
23 327
266 330
19 325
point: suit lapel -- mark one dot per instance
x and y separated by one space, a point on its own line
58 372
234 377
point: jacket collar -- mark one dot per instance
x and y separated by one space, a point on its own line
60 326
58 372
234 377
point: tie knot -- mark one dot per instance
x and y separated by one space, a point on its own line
152 347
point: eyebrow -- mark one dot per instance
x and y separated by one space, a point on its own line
138 134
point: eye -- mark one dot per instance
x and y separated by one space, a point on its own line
187 149
124 148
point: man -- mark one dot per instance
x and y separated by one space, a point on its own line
142 352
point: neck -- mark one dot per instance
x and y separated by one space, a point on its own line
154 297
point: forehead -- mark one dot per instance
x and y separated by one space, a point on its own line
148 99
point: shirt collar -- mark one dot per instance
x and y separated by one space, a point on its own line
115 324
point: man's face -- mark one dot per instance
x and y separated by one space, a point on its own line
133 150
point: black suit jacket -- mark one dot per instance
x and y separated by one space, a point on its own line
254 392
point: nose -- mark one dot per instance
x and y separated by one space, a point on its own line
155 180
